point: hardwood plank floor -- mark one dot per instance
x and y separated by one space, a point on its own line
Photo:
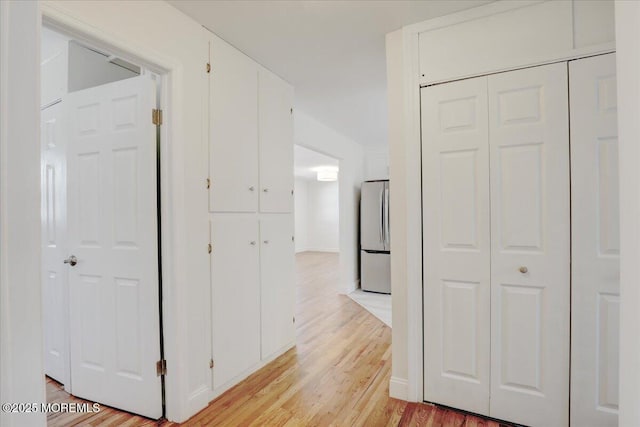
338 374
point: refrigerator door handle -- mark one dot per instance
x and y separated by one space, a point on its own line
385 218
381 224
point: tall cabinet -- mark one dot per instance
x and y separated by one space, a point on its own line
521 271
251 215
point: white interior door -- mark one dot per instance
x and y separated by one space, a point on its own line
54 250
456 264
233 155
112 230
235 277
277 282
595 305
530 283
275 114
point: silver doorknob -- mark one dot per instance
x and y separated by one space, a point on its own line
72 260
252 243
266 242
251 188
265 190
523 269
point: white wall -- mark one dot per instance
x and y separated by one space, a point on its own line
301 213
397 214
89 69
312 134
317 216
323 215
376 163
628 69
21 357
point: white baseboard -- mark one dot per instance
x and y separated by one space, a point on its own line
316 249
350 287
399 388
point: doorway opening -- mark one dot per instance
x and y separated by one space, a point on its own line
101 245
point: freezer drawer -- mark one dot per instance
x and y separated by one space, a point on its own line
375 272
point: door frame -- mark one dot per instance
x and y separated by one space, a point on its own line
165 69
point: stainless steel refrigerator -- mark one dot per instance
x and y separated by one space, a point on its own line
375 249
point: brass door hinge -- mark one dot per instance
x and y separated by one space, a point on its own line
208 67
161 367
211 364
210 248
156 117
208 183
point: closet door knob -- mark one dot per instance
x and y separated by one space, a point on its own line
523 269
266 242
266 190
251 188
252 243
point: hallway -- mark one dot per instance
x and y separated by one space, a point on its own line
338 374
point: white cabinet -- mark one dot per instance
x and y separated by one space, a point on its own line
252 269
251 135
235 272
275 118
496 269
233 144
277 282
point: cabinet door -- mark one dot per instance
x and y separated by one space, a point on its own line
595 305
277 282
276 143
529 162
236 296
233 152
455 186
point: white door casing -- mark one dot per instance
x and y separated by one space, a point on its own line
275 120
277 282
530 283
233 156
456 262
112 230
54 249
595 305
235 279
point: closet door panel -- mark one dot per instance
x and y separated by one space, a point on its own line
530 283
595 242
456 254
233 147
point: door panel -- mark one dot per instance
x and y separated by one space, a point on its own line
54 250
235 275
375 272
371 208
275 116
530 283
277 282
455 186
595 242
233 156
112 229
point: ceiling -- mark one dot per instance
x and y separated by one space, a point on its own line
306 162
332 52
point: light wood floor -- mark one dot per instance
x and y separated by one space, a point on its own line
338 374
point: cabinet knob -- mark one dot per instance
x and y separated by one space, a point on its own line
252 243
265 190
251 188
523 269
266 242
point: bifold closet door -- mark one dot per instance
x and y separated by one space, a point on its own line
595 305
530 283
456 251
